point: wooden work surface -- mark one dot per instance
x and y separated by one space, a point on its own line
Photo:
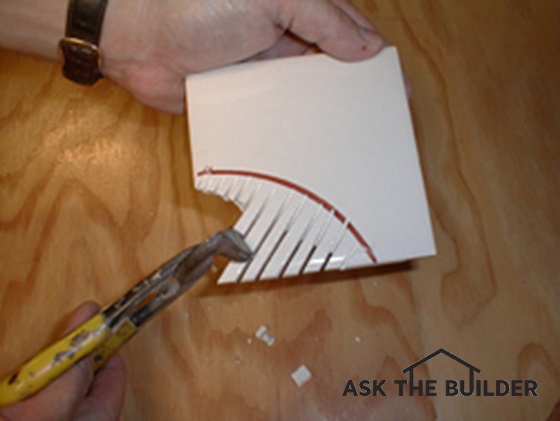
96 191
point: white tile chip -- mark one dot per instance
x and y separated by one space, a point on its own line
268 339
263 335
301 376
261 331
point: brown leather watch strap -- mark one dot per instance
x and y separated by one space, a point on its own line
82 57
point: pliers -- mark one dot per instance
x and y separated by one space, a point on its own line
107 331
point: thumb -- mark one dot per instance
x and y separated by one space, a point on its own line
70 388
339 29
59 400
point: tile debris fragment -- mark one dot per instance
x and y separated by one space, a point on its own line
263 335
301 376
261 331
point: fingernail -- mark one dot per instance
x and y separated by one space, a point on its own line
374 40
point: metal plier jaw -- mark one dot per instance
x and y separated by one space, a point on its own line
106 332
175 277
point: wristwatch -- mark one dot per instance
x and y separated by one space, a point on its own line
80 46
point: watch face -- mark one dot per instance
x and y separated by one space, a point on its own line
82 61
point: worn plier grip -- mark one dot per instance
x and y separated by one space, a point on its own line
107 331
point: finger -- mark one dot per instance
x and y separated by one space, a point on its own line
333 30
59 400
288 45
106 396
79 316
78 379
356 14
66 392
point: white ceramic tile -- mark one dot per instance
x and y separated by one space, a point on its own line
334 136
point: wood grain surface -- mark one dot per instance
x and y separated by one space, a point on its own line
96 191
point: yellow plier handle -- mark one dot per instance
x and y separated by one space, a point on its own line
92 337
53 361
103 334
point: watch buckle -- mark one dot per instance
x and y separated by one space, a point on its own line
82 60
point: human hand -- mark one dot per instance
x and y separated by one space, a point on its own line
79 394
149 46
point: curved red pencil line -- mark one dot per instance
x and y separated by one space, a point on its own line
328 206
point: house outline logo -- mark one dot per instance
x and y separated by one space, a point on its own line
472 368
449 387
